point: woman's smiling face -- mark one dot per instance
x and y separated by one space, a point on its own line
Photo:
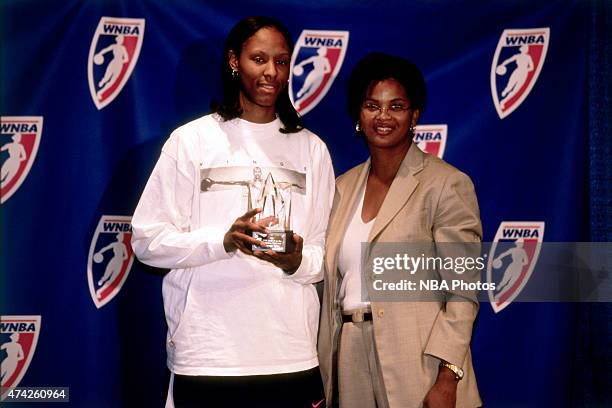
386 115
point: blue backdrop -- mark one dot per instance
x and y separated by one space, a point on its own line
537 164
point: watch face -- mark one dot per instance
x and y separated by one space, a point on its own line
459 373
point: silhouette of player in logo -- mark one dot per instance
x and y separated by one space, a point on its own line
320 67
524 65
513 270
114 67
17 154
113 268
14 354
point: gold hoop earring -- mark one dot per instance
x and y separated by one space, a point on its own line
357 127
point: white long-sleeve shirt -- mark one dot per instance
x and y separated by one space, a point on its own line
233 314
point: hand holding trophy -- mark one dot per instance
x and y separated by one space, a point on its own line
281 246
264 231
289 262
274 199
239 235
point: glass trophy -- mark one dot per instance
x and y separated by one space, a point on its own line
275 201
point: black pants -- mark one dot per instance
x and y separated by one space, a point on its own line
289 390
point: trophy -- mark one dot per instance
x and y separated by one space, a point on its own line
275 201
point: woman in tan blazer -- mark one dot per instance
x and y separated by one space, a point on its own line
395 354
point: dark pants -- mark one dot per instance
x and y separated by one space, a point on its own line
289 390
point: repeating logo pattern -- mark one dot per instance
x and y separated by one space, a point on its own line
512 257
18 338
113 53
431 138
20 138
516 66
315 63
110 258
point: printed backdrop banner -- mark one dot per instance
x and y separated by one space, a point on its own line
90 90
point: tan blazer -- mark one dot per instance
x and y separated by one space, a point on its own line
429 200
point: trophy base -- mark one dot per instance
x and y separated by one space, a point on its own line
278 241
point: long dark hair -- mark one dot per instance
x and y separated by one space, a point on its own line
229 108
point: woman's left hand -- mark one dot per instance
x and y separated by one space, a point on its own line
443 394
288 262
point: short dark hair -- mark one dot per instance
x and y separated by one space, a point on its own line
229 107
376 67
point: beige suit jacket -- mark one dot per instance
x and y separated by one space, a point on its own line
429 200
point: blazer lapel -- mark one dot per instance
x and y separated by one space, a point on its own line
400 191
352 188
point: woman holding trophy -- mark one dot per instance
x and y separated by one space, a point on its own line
241 309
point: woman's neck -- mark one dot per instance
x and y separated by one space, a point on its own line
385 162
254 113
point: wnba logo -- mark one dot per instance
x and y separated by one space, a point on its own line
110 258
512 258
516 66
431 138
315 62
20 137
112 57
18 338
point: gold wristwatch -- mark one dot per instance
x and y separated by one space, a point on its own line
457 370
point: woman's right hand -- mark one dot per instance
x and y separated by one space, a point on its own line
237 237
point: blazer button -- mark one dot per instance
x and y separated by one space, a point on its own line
381 312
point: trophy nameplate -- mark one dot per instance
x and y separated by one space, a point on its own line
276 240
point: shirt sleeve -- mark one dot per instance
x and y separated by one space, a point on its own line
162 234
457 221
323 186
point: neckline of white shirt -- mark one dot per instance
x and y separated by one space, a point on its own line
360 208
258 130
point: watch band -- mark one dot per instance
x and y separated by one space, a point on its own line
456 370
